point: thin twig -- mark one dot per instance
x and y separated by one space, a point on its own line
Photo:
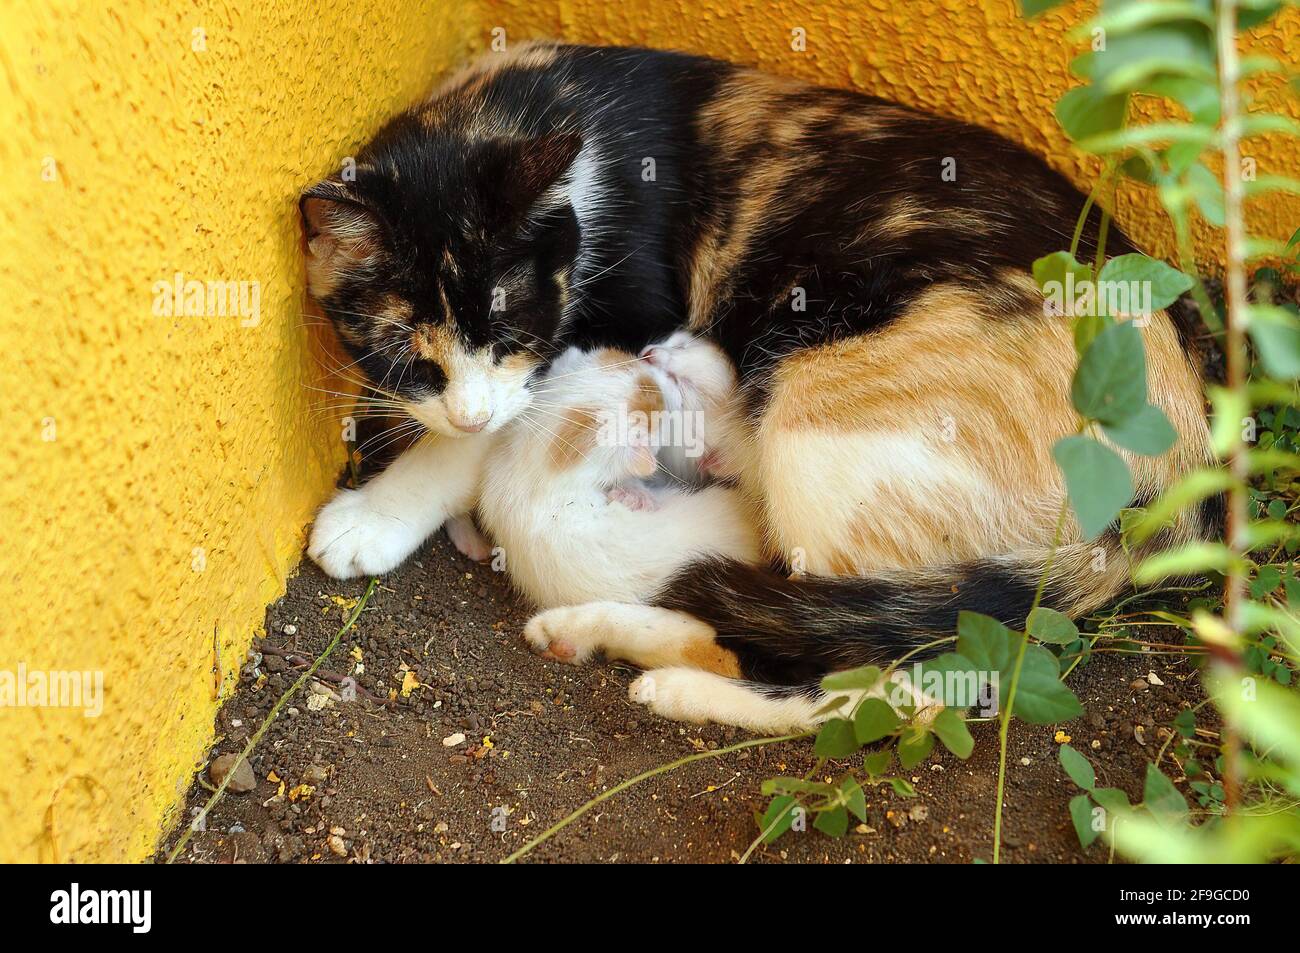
643 776
266 724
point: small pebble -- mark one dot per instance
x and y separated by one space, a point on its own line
243 779
452 740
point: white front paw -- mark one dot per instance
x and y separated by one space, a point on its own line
351 538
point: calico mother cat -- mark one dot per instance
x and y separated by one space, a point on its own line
865 268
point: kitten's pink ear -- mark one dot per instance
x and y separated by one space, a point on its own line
343 234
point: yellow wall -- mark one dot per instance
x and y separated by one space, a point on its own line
977 60
176 434
170 434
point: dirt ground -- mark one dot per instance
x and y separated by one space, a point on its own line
363 782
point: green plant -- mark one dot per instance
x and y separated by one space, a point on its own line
1183 52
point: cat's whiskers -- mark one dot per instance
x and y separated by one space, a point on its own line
539 426
390 436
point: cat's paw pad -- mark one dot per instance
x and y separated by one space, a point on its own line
351 538
467 539
633 497
546 635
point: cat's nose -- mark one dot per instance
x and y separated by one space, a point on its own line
652 354
470 424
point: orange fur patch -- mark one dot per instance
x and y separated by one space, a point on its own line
574 438
711 657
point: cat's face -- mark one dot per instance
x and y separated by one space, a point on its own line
444 265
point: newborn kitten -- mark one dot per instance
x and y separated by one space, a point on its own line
568 490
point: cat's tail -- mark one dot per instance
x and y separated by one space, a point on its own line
792 630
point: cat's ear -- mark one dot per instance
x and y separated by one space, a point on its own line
521 171
343 235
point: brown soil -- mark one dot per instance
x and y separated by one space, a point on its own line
543 738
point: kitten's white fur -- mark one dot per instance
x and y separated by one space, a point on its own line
569 535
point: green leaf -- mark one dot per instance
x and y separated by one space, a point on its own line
985 642
1198 95
1048 625
951 729
1086 112
1148 135
1166 284
914 747
1148 40
874 720
1192 489
877 763
854 799
833 823
1112 799
864 678
1032 8
1081 815
1262 123
902 787
1265 581
1248 17
1276 333
836 740
1268 715
1147 432
1110 384
1124 18
1051 270
1264 184
1161 797
1041 697
1208 193
1190 560
779 807
1097 480
1077 767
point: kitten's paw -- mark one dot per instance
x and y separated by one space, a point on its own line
671 693
467 539
351 538
553 635
633 497
642 689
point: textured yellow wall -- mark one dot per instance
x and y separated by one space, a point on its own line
133 440
977 60
137 440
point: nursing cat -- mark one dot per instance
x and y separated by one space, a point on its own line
864 266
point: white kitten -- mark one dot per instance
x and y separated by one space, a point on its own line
568 489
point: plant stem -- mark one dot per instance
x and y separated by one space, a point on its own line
1004 722
266 723
1235 357
643 776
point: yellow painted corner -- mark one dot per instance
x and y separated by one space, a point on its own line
163 464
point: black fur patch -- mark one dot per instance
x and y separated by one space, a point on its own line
793 631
